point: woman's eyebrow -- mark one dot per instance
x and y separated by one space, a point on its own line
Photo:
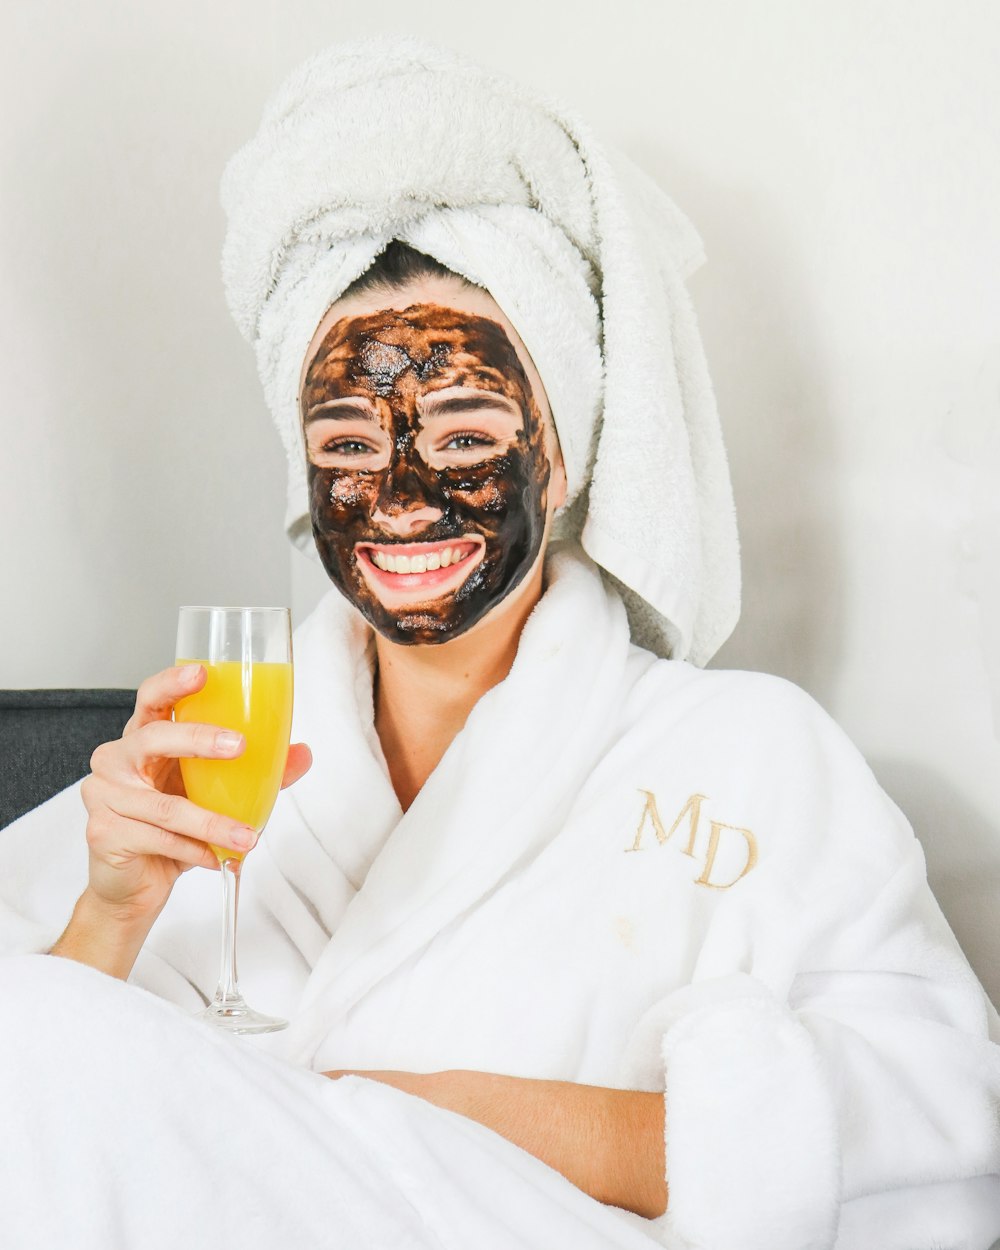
449 405
341 410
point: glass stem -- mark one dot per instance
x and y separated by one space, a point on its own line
229 990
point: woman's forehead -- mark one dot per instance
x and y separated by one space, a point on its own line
425 343
436 302
441 292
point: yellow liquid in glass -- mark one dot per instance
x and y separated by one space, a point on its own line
256 701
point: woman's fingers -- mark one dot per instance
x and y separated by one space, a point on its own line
297 764
165 814
151 736
114 838
133 754
155 698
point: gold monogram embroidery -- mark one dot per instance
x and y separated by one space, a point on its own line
691 811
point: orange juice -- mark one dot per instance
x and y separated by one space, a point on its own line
255 700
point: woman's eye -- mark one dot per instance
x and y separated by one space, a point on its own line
468 441
347 447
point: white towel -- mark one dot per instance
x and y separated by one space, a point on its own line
389 138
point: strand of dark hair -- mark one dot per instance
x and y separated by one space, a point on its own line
397 267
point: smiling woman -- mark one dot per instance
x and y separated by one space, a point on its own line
625 952
420 419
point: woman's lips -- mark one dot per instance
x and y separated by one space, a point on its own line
409 570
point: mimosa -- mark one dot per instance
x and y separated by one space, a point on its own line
254 699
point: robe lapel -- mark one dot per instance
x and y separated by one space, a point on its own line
496 799
328 828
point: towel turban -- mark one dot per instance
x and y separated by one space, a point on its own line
394 139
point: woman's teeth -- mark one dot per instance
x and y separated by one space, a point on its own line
418 564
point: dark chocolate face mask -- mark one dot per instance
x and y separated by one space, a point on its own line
428 471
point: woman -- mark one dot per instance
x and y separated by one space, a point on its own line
594 900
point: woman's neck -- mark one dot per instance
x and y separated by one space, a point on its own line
424 694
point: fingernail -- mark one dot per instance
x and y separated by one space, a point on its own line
228 741
189 673
245 837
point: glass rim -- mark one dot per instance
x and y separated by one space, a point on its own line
219 607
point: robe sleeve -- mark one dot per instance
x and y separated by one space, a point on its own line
835 1085
852 1114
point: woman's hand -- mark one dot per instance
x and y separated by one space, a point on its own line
142 832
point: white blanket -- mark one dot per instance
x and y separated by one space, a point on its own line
627 872
126 1124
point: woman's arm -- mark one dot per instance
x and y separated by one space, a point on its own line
608 1142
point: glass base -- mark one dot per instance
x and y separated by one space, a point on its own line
234 1016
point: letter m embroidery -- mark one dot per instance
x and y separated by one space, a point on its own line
651 816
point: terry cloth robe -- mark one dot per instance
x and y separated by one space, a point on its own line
626 872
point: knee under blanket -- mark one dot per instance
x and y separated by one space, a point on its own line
625 872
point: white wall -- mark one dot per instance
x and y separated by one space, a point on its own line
840 161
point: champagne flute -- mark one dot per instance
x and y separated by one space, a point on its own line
248 655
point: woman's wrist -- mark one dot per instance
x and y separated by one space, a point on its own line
105 935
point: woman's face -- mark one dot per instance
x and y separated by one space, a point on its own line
432 466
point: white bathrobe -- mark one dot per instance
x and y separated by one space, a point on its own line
625 872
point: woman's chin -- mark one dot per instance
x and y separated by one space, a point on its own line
484 618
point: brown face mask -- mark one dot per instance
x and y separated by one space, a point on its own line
428 501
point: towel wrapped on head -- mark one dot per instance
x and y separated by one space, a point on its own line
394 139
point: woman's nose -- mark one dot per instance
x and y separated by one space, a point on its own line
403 506
407 520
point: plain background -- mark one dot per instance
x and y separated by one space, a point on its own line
841 162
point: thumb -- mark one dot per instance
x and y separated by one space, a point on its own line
297 764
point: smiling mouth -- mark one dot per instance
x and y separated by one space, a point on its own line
409 568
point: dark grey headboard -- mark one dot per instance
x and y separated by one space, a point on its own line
47 738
